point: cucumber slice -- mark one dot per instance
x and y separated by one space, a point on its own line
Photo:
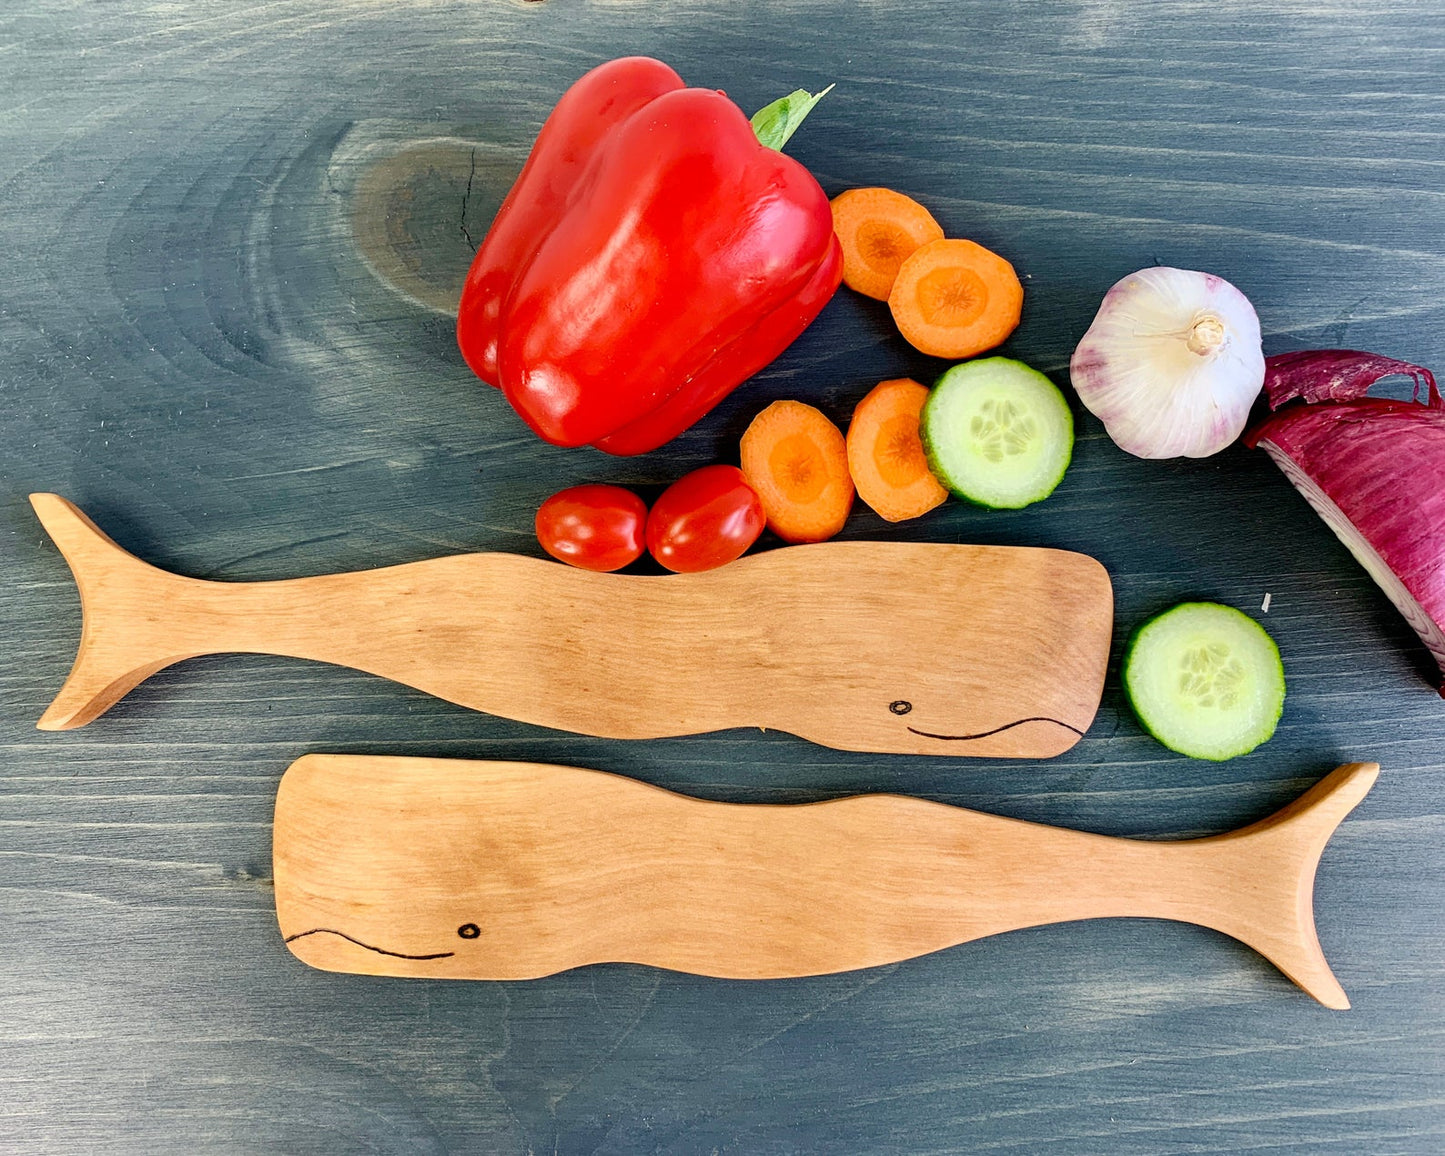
1205 680
997 433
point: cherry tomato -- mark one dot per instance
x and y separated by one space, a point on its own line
594 527
704 520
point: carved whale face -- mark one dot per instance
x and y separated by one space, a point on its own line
334 950
901 707
931 648
432 868
948 711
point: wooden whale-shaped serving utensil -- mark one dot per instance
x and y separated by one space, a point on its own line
870 646
452 869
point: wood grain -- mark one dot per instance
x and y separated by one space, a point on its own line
908 648
203 343
446 869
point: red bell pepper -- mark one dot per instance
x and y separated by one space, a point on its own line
652 255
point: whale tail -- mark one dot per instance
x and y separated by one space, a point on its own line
1264 879
128 608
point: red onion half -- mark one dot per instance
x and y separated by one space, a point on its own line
1373 469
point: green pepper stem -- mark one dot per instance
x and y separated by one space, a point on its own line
780 120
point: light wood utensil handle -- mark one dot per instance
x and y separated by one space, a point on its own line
874 646
491 870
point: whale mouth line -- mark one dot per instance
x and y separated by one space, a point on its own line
353 939
996 730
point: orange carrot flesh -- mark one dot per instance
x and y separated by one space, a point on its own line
879 229
797 461
885 453
955 299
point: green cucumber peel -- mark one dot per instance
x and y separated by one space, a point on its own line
1205 680
997 433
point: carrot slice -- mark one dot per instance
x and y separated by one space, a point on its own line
796 460
878 230
955 299
885 453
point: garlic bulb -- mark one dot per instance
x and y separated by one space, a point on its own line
1171 364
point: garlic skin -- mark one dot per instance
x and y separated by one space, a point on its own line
1171 364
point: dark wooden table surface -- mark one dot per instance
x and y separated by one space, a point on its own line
232 233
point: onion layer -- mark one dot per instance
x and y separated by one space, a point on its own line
1373 468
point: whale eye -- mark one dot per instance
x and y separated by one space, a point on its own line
469 931
900 707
